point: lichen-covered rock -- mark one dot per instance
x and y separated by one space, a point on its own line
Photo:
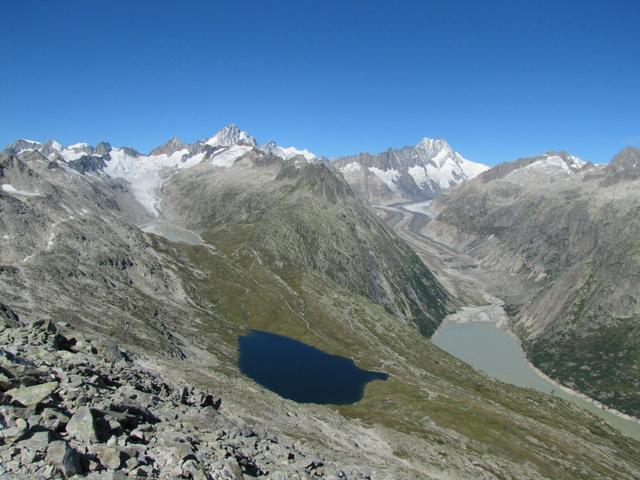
30 396
82 425
63 458
37 442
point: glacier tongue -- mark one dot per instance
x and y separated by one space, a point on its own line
143 173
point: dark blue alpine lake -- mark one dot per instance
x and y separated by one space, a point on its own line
297 371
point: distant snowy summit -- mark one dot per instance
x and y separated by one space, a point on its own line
409 173
228 136
545 168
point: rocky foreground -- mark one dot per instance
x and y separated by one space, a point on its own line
74 406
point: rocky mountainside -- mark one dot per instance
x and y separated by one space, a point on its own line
558 240
302 221
408 173
74 405
175 259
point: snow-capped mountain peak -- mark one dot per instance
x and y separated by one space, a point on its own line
555 162
25 145
230 135
78 146
273 148
409 173
433 146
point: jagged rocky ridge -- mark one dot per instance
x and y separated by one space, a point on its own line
411 173
145 172
558 239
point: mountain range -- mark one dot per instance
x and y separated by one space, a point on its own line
176 253
396 175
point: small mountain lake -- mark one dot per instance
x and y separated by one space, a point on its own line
299 372
497 353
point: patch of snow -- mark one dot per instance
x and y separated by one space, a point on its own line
192 161
8 188
388 177
31 141
550 163
285 152
288 152
577 161
419 175
226 158
441 157
351 168
472 169
76 146
6 237
441 174
69 154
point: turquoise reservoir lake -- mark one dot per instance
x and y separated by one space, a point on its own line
497 353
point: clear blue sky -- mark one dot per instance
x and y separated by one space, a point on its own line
498 79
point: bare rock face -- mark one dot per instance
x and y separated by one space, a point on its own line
557 239
34 395
173 145
82 425
64 459
8 318
623 167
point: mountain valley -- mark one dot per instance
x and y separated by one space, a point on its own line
175 254
557 239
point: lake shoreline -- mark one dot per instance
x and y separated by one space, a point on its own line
505 327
